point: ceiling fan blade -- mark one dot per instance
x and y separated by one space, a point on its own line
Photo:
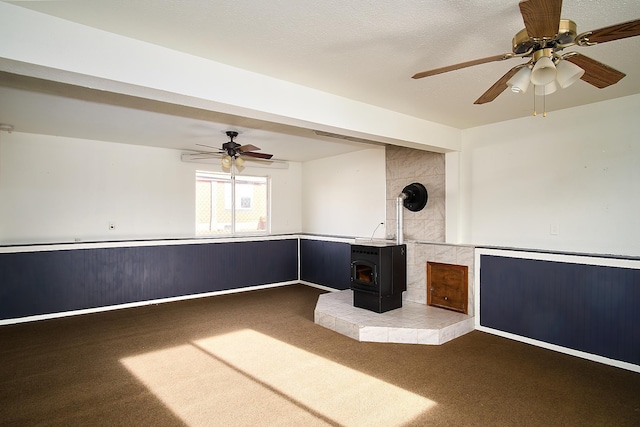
614 32
196 157
596 73
208 146
248 147
498 87
462 65
205 154
257 155
259 161
541 17
254 162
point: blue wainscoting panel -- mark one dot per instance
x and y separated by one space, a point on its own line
325 263
590 308
36 283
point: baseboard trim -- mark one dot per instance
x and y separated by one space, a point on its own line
315 285
577 353
58 315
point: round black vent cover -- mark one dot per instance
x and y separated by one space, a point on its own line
416 197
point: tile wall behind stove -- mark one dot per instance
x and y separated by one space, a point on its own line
403 167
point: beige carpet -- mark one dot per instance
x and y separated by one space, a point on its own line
257 358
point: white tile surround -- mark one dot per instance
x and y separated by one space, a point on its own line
419 253
424 235
413 323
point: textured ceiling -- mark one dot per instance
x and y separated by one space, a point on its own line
368 50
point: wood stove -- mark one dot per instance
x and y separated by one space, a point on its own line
378 276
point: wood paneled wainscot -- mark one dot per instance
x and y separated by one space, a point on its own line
447 286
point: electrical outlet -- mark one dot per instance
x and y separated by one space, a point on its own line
112 226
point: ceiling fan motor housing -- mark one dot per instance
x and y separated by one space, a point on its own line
522 42
231 148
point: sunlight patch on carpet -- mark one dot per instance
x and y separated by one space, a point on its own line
336 392
248 378
203 391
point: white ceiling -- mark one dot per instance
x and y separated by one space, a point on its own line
364 50
37 106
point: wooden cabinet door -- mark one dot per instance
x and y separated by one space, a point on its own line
447 286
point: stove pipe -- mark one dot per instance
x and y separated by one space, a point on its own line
400 219
414 197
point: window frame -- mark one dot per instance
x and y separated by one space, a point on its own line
234 180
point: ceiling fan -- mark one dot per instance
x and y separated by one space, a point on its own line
542 40
231 153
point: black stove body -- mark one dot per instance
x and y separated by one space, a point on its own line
378 276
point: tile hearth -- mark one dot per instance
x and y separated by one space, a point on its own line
413 323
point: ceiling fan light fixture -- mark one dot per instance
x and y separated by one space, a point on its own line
519 83
544 72
226 162
239 162
568 73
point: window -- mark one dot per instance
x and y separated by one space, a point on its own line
227 204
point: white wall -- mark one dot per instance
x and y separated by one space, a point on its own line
565 182
56 189
345 195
